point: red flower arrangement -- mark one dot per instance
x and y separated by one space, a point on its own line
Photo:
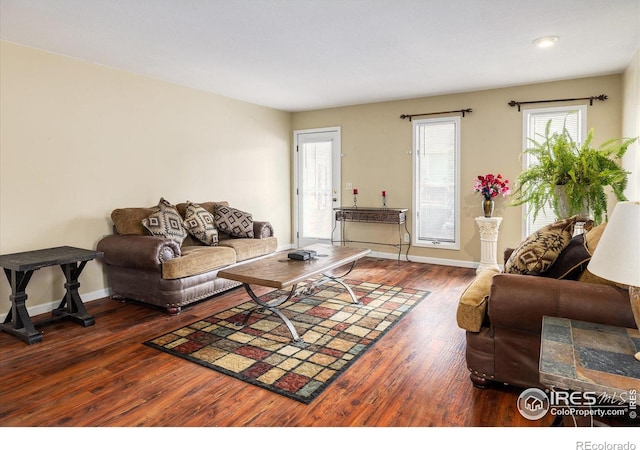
491 186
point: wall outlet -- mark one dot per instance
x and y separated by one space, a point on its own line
407 238
349 186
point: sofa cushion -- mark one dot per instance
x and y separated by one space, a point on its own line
572 261
199 223
209 206
197 260
472 305
233 221
128 221
246 248
537 253
166 222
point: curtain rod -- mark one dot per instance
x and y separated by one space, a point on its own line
411 116
601 97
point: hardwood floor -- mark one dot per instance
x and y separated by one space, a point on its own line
102 376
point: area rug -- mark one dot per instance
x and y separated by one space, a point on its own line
335 331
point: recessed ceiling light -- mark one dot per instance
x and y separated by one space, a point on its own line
546 41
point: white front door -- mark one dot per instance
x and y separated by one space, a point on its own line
317 185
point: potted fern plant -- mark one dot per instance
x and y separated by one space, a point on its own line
571 178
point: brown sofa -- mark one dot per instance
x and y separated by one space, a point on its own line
502 316
158 271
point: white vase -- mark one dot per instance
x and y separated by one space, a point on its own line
563 205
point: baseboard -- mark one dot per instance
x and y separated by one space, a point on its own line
427 260
48 307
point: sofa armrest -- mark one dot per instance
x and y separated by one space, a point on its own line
138 252
262 230
519 302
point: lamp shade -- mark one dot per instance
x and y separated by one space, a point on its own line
617 255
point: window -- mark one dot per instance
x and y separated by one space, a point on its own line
435 182
574 118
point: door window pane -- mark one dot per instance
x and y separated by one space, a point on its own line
316 192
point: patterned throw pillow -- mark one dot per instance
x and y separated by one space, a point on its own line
540 250
166 222
233 221
199 222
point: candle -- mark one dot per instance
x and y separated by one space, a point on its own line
384 193
355 192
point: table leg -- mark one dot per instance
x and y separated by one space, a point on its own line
409 243
326 278
18 322
399 241
71 305
272 306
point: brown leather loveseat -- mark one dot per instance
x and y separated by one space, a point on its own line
171 272
502 312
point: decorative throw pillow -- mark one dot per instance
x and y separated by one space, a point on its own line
166 222
199 223
572 261
129 220
233 221
472 305
539 251
592 239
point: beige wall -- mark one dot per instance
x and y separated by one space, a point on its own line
376 145
79 139
631 124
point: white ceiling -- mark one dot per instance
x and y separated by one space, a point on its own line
297 55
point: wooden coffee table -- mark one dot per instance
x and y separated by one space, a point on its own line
280 272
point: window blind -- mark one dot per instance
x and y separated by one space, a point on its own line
436 175
574 120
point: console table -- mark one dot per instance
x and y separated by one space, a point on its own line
393 216
19 267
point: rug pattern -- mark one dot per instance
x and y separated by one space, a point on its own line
335 332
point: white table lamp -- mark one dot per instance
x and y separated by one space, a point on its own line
617 256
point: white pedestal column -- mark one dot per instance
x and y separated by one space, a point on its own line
489 227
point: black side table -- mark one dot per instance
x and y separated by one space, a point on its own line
18 267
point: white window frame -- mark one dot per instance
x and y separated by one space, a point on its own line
526 117
434 243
